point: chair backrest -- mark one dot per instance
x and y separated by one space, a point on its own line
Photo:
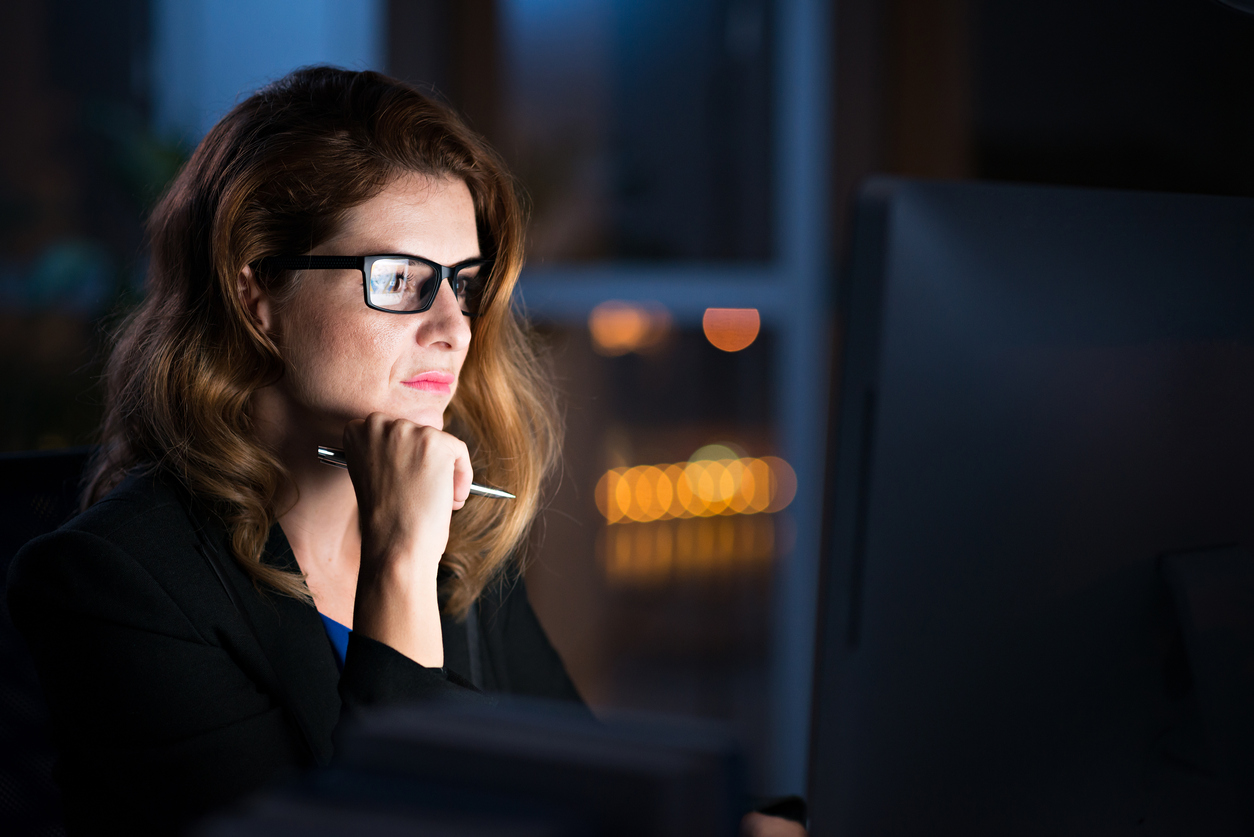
38 492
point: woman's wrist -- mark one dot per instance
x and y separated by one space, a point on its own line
397 604
400 550
398 565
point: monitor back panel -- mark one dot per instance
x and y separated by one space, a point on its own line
1041 391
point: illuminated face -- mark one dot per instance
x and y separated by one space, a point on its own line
344 360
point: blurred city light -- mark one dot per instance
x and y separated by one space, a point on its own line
731 329
718 450
699 488
621 327
649 554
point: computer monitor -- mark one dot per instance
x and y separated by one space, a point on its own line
1041 463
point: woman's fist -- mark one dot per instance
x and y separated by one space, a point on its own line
409 478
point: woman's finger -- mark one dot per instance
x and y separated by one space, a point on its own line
463 474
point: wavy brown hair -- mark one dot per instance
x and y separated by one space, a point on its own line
276 177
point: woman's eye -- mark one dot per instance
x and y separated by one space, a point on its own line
388 283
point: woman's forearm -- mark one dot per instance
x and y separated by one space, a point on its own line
397 604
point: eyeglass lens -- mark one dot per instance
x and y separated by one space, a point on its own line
410 285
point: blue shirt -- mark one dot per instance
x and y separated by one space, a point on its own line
338 634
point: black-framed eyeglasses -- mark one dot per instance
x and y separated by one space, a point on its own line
400 283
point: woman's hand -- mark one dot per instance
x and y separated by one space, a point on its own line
764 825
408 478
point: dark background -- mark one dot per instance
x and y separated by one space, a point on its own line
665 159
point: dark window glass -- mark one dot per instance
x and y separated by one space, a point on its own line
640 128
656 551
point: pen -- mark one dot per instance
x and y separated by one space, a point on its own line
335 456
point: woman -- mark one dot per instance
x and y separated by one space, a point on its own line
189 626
172 622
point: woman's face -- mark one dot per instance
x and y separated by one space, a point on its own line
345 360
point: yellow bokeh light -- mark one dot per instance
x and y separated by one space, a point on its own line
653 492
701 488
742 491
718 450
681 492
693 503
663 494
783 484
625 494
644 492
727 484
760 474
599 494
706 484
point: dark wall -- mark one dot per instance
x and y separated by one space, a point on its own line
1137 94
1141 94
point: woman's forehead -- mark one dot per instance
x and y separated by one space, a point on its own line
416 214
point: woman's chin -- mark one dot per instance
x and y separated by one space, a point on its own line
429 415
427 418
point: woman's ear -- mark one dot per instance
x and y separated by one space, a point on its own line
254 300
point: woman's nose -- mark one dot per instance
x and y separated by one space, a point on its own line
444 321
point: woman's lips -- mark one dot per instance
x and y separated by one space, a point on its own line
431 382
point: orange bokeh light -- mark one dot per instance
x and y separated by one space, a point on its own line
621 327
701 488
731 329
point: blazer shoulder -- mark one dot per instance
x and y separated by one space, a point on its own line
142 512
139 535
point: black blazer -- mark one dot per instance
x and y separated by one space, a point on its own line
176 687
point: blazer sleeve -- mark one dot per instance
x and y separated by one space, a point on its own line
156 723
376 674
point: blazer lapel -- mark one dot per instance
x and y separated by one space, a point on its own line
302 674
